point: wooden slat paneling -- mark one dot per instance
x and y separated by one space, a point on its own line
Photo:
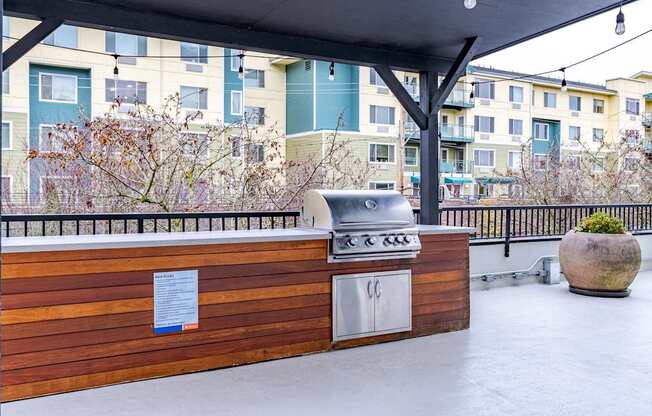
78 319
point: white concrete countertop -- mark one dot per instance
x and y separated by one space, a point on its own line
108 241
444 229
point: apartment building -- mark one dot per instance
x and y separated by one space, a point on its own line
62 80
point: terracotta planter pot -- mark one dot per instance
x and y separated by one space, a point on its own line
600 264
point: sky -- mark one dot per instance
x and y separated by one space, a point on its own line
562 47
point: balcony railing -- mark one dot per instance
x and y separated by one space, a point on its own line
456 167
460 97
646 119
457 133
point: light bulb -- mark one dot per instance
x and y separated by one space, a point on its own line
564 85
472 95
620 23
470 4
116 71
331 72
240 72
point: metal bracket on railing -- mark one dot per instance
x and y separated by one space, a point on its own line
508 230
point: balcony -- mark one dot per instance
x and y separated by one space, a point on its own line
459 98
461 167
646 120
457 133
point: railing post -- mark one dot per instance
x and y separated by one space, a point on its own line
508 230
141 226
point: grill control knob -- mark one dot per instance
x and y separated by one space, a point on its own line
388 240
353 241
371 241
407 239
397 240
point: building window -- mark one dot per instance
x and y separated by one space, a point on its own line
598 164
6 89
484 124
515 127
598 135
193 53
630 164
254 78
485 89
541 131
540 162
236 103
515 94
64 35
57 87
125 44
375 79
411 156
598 106
6 136
5 188
236 146
484 158
256 153
574 162
236 61
128 92
574 133
550 100
382 153
632 106
195 146
575 103
49 140
194 98
382 186
254 115
514 160
5 26
379 114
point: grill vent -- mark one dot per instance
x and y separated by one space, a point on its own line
308 65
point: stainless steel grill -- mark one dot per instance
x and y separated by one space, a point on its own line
365 225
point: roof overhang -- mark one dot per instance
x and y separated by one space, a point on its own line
414 35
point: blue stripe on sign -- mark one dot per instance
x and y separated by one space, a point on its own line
168 329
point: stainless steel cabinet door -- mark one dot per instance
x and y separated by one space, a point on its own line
393 301
353 306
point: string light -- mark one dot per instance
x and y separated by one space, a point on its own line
116 71
564 84
472 95
470 4
331 71
620 21
240 68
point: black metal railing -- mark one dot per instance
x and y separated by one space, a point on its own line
81 224
493 224
509 224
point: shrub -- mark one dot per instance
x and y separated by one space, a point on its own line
601 223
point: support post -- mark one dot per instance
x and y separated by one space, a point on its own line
429 173
27 42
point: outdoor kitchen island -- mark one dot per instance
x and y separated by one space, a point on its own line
79 311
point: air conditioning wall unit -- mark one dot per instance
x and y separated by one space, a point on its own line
516 106
382 129
382 90
485 102
575 114
484 137
194 68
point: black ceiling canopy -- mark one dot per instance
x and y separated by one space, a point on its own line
406 34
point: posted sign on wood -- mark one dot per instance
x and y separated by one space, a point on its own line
175 301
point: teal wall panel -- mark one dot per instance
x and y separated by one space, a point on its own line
231 83
299 97
48 112
338 98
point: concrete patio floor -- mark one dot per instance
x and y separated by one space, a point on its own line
531 350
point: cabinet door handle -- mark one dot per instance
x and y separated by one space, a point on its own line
370 290
378 289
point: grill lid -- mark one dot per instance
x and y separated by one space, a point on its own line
357 210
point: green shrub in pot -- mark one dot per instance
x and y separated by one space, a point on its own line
601 223
599 257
